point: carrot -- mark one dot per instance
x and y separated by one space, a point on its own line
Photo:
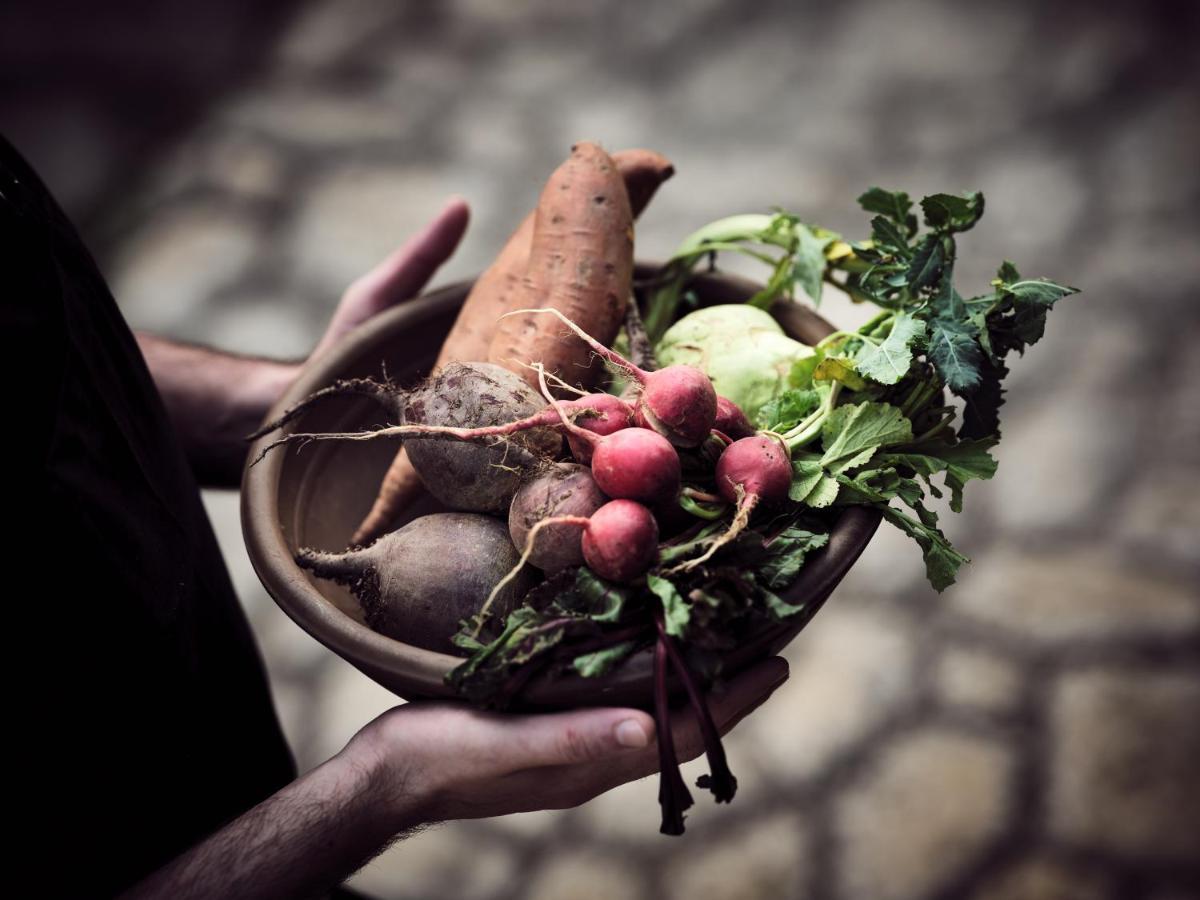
580 263
495 293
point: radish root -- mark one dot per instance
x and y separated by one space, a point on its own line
481 616
745 506
610 356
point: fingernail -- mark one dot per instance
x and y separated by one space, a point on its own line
631 734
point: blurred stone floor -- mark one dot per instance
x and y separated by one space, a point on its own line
1032 733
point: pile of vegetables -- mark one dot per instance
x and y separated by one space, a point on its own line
628 470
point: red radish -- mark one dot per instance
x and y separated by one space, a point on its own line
620 540
636 464
754 468
731 420
679 402
750 471
605 415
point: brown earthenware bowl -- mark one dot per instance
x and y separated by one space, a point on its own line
316 495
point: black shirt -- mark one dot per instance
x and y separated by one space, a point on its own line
147 719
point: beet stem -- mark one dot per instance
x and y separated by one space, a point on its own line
721 782
673 794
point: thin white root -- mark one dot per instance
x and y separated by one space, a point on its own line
558 382
605 353
525 554
740 520
550 398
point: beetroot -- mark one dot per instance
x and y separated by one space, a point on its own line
417 583
564 489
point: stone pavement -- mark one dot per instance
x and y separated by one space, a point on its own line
1032 733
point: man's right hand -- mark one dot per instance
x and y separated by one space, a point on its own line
440 761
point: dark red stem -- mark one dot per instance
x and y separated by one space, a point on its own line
673 794
721 781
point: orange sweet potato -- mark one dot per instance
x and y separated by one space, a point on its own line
580 263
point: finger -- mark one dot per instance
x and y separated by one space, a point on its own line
743 694
568 738
407 270
729 705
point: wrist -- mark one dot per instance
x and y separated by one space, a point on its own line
392 783
266 384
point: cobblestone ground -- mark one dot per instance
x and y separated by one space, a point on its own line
1032 733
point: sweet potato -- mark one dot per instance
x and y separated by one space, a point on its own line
580 263
495 293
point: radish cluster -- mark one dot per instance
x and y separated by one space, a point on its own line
479 440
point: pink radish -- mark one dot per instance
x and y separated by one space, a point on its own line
620 542
605 415
731 421
679 402
750 471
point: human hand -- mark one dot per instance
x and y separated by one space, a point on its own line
400 276
439 761
216 399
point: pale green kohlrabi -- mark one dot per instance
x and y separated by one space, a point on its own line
740 347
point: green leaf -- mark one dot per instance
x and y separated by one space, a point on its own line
890 360
787 551
806 475
787 410
956 355
962 462
926 265
893 204
778 608
875 486
1008 273
1040 291
981 415
887 236
592 596
808 270
853 432
949 213
601 662
675 609
942 561
801 374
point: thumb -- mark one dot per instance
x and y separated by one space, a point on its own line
401 275
523 742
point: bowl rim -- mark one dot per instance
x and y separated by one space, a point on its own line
425 670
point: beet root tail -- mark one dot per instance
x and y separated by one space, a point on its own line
382 393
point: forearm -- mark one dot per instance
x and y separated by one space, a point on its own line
215 399
300 842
